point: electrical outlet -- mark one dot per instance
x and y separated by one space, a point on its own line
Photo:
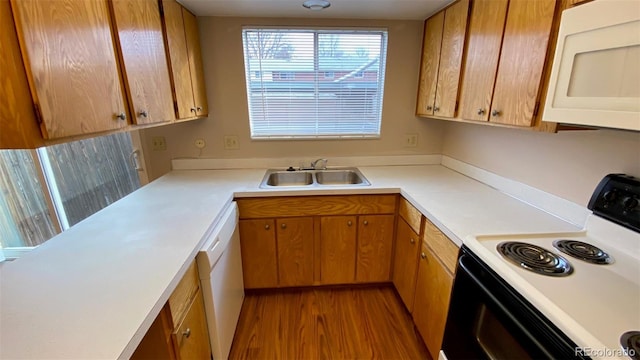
158 143
231 142
200 144
411 140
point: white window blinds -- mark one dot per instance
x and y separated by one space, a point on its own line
314 83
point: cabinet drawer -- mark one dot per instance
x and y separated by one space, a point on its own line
442 247
316 205
191 338
411 215
181 297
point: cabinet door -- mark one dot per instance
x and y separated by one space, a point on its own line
259 256
486 26
405 264
191 338
375 244
178 58
338 249
195 63
524 50
72 65
145 68
453 36
295 251
17 119
157 343
429 65
433 291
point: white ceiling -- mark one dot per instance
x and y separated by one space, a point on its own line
345 9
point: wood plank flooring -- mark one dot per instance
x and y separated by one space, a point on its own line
326 324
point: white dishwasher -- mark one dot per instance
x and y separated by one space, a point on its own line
220 268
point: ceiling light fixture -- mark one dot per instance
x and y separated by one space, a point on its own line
316 5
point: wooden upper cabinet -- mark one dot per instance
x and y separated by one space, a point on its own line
185 59
522 60
429 67
18 124
145 70
486 27
71 63
442 60
453 36
195 63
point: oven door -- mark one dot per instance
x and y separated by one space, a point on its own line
489 320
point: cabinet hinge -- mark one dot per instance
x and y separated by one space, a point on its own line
536 108
37 113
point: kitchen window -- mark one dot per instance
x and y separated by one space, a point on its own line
300 101
48 190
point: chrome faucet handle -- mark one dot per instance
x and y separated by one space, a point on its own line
314 164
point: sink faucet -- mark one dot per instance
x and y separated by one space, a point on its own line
314 164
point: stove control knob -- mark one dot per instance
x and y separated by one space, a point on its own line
629 203
609 195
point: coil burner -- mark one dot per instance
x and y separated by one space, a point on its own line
534 258
583 251
630 342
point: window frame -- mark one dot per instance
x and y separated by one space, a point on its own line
384 45
51 193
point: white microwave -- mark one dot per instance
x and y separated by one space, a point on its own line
595 78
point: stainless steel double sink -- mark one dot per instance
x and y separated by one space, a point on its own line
314 178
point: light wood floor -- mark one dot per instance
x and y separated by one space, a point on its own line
326 324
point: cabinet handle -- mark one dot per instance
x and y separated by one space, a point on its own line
199 108
349 223
121 116
429 107
365 222
423 256
193 109
284 226
187 333
436 109
495 113
143 113
480 111
412 241
267 227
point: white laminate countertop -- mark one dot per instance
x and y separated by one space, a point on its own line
93 291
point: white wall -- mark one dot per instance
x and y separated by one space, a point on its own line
226 89
568 164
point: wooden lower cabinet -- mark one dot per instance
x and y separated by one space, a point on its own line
180 330
432 295
375 245
295 251
316 240
405 263
259 253
191 338
337 256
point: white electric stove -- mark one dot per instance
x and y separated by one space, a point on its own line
587 284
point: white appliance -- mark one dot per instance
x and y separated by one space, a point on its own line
595 78
220 268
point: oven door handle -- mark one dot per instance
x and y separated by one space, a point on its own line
503 309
